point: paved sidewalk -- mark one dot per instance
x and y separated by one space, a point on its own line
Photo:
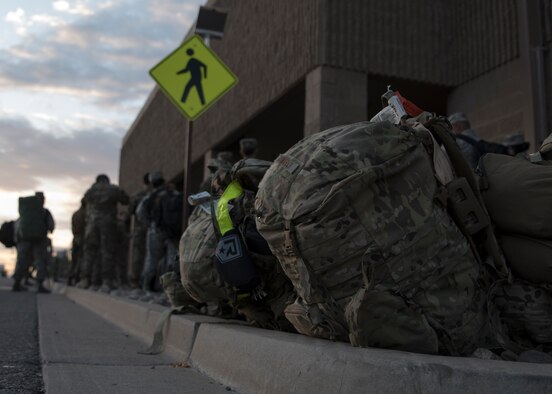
82 353
254 360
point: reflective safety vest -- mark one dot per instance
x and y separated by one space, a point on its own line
224 221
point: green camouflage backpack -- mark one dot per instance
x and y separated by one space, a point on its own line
357 220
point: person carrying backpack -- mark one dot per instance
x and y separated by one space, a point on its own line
35 222
161 210
471 145
464 135
100 238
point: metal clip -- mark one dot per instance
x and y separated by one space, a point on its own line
288 243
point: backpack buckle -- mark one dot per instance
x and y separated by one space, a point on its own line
466 207
288 243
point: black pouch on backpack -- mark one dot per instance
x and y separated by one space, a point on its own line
234 263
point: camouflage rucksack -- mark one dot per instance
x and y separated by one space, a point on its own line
518 193
521 313
175 292
355 217
197 267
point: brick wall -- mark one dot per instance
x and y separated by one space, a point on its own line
444 42
156 143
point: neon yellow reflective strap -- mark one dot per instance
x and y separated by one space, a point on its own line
234 190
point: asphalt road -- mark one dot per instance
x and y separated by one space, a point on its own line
20 364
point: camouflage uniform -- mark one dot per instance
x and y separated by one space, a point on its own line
78 227
100 241
160 249
121 268
138 243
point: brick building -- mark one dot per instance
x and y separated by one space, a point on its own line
306 65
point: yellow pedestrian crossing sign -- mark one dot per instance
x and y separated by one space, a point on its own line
193 77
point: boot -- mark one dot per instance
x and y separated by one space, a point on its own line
83 284
42 289
18 287
107 286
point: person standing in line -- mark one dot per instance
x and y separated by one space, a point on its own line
100 239
466 137
161 209
248 148
138 238
78 227
35 222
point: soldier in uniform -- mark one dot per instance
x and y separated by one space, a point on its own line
517 146
461 126
100 247
223 158
161 248
78 226
138 238
34 251
248 148
123 242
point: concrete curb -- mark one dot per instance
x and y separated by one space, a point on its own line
253 360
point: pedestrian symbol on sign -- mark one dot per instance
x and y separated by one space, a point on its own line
193 77
194 67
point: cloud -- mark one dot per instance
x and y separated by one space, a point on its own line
75 8
17 16
23 23
109 51
29 155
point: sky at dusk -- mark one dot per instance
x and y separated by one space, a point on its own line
73 77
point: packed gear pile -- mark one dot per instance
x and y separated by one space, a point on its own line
381 237
377 233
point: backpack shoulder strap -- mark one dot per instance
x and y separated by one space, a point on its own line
440 127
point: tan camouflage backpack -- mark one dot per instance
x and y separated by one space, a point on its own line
521 313
518 194
197 270
358 222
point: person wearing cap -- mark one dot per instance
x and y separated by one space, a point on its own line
223 159
161 245
138 237
100 236
248 148
516 144
461 127
226 156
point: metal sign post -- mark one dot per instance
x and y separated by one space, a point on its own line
187 174
194 78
